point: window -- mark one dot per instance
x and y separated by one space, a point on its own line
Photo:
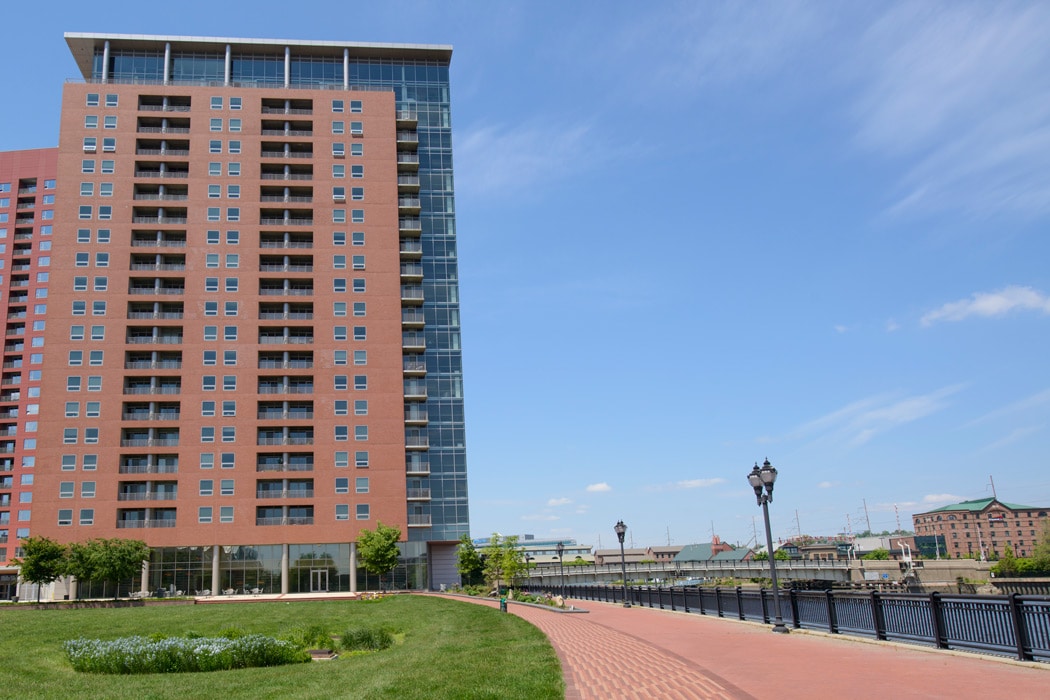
227 460
357 216
70 436
230 308
229 358
109 122
108 166
339 238
233 192
214 169
79 308
362 511
361 484
360 333
90 436
214 191
233 260
229 408
207 434
338 149
342 433
233 169
342 511
95 358
233 237
361 459
338 171
101 284
358 193
216 103
105 212
211 308
359 308
87 489
235 103
339 308
229 333
85 211
229 434
340 357
65 516
72 383
342 459
215 124
211 284
98 332
339 262
358 238
360 407
235 147
111 100
340 382
215 146
337 106
339 216
338 332
87 189
360 432
83 235
204 514
360 382
210 359
342 484
76 332
103 235
90 144
87 166
338 127
357 171
72 409
338 193
98 308
87 516
90 463
357 128
359 285
229 382
207 460
339 284
92 99
207 408
76 358
226 487
109 144
225 514
342 407
207 487
211 259
211 332
357 149
208 382
356 106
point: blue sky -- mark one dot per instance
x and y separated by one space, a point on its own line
696 235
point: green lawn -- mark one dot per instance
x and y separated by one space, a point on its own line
451 649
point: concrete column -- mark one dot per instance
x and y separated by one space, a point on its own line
287 66
72 586
285 583
346 69
167 62
229 65
105 61
144 579
353 567
215 590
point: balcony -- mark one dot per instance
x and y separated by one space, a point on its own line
411 294
410 226
411 272
413 342
418 520
408 205
418 467
413 365
287 493
146 496
416 415
412 318
407 119
408 162
301 520
407 140
418 495
417 442
407 183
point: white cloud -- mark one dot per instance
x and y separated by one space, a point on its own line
699 483
961 89
939 498
599 487
1025 404
1015 435
892 326
827 484
503 157
990 305
860 421
559 502
544 517
841 329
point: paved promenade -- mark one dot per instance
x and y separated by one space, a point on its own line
617 653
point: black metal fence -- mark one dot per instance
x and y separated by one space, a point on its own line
1010 625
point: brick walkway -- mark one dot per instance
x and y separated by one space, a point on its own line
614 653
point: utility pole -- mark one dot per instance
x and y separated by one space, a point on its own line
992 482
849 526
898 513
866 516
668 535
798 525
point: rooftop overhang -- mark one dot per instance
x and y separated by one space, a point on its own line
83 46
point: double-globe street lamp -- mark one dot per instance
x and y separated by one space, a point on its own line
762 480
621 530
560 549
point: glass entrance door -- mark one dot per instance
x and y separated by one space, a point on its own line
318 580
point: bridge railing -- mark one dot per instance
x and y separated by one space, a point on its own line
1009 625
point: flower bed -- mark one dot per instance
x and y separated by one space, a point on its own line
179 654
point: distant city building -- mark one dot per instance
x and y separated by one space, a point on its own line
984 527
545 551
715 550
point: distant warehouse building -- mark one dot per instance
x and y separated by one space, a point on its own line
984 527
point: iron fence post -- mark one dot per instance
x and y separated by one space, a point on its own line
833 614
1020 636
940 637
878 617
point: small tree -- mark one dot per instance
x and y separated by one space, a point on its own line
877 555
469 564
503 560
1007 565
109 560
377 550
43 561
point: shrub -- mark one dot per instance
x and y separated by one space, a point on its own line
177 654
366 639
310 637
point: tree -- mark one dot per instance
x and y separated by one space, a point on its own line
377 550
43 560
109 560
503 560
1007 565
470 565
1041 551
877 555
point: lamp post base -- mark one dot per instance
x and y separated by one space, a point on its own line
780 628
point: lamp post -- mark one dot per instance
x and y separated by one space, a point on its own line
764 478
528 572
560 549
621 530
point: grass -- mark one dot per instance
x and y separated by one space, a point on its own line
450 649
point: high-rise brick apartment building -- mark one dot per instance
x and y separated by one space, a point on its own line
27 209
252 343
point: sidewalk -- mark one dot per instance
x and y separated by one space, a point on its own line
617 653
